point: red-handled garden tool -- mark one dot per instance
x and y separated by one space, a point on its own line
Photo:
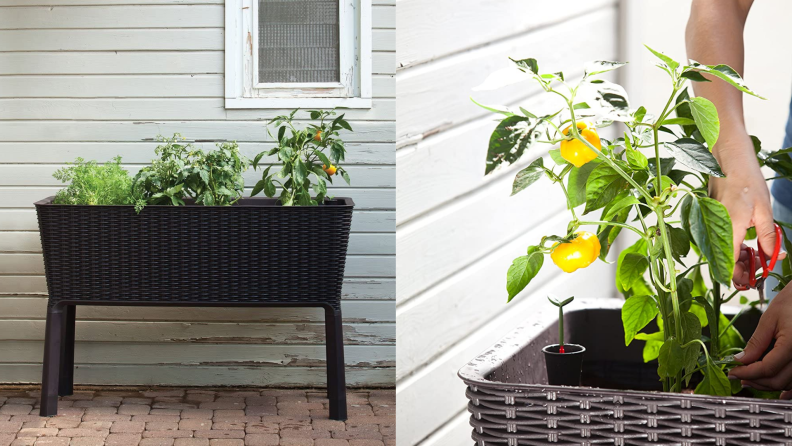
753 281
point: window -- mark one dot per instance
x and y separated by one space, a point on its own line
298 53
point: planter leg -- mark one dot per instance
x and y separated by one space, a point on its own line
336 380
66 386
52 359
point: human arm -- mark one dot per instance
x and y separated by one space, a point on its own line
714 34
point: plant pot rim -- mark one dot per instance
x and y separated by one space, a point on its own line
476 372
245 202
580 350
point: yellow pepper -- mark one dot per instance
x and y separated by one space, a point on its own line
576 152
579 252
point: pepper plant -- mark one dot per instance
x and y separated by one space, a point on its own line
314 151
682 234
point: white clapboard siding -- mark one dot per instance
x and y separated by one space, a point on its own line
33 307
204 332
429 249
181 109
202 39
131 86
126 131
41 152
138 62
424 110
433 32
457 230
450 165
21 352
101 78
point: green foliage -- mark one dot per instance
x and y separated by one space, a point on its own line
523 270
306 156
182 171
95 184
664 201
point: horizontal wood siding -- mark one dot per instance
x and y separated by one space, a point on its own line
458 231
100 78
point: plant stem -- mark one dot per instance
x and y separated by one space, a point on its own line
575 134
714 330
613 223
561 325
560 180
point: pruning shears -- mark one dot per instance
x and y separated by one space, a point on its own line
758 282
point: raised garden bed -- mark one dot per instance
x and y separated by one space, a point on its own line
254 253
619 401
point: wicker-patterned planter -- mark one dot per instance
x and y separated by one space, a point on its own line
254 253
510 403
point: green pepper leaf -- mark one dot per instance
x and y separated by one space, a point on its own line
725 73
693 154
679 121
602 186
576 182
637 160
653 343
711 229
706 116
695 76
601 66
528 176
258 188
631 268
636 312
670 360
555 154
510 139
672 64
523 270
715 381
639 247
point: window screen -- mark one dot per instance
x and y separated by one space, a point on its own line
298 41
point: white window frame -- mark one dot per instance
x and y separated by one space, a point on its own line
242 87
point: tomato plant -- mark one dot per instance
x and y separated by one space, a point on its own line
682 233
302 154
211 178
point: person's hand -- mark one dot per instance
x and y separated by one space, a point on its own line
774 371
742 266
744 192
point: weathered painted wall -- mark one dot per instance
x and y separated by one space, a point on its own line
457 231
99 78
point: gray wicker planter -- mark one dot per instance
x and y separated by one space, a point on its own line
511 404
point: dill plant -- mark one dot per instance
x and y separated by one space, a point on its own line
92 183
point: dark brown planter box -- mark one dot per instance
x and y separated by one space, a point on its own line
511 404
254 253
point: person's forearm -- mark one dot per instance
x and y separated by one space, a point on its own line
714 35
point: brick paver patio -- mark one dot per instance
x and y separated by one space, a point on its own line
196 417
